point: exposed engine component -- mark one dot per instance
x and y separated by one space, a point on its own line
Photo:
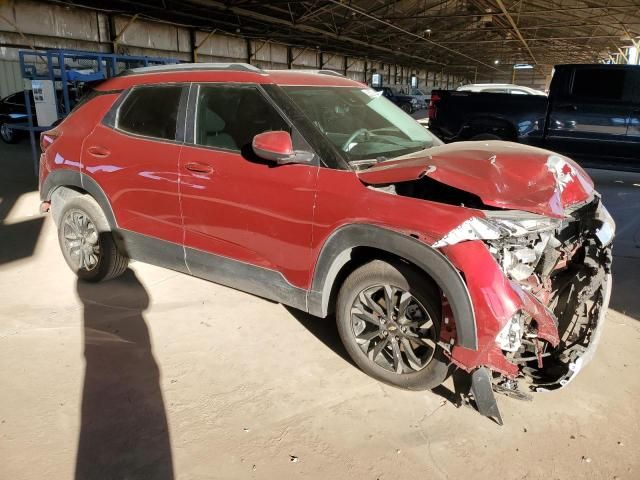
567 270
510 337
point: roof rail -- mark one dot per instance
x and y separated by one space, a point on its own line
187 67
318 72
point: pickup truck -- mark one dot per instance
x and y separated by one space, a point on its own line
592 114
406 102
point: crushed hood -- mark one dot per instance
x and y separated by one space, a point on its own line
503 174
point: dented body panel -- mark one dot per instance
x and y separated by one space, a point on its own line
504 175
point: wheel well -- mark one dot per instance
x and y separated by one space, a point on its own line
70 187
60 195
65 183
496 126
360 256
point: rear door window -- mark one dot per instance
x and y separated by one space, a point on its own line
599 83
151 111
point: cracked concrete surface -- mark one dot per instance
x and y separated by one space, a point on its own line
159 375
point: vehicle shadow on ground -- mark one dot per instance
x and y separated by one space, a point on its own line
18 239
325 330
124 432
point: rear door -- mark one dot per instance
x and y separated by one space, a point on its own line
133 155
633 129
246 219
590 115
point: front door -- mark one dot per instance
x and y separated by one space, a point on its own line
633 130
245 219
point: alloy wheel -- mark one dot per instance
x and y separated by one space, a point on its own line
81 240
6 132
393 329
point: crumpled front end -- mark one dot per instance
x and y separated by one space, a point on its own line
540 289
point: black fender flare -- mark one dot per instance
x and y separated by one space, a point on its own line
73 178
336 252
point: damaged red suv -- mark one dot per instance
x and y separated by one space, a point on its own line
315 191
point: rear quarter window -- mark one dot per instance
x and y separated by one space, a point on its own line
151 111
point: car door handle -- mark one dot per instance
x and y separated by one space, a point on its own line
199 167
570 107
99 152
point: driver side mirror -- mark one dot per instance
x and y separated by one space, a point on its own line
277 146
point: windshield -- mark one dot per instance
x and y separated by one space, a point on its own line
361 123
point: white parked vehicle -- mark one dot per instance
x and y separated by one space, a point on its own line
423 96
500 88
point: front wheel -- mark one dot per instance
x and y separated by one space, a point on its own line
86 242
388 317
407 108
8 134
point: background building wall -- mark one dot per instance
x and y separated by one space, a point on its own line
27 24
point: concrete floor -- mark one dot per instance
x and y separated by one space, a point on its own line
158 375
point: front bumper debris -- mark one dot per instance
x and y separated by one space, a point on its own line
536 332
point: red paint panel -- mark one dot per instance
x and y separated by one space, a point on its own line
65 151
256 212
140 178
343 199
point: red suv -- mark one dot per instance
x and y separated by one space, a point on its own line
315 191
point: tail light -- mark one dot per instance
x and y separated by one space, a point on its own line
433 106
47 138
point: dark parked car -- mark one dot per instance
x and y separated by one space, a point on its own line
315 191
407 103
592 115
13 110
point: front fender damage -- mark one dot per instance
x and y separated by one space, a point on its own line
496 300
540 297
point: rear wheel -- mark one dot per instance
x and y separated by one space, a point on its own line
86 241
8 134
388 318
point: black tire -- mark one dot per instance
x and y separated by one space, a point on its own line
485 136
410 281
86 241
407 108
8 134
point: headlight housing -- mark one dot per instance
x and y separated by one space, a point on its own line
499 225
516 239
